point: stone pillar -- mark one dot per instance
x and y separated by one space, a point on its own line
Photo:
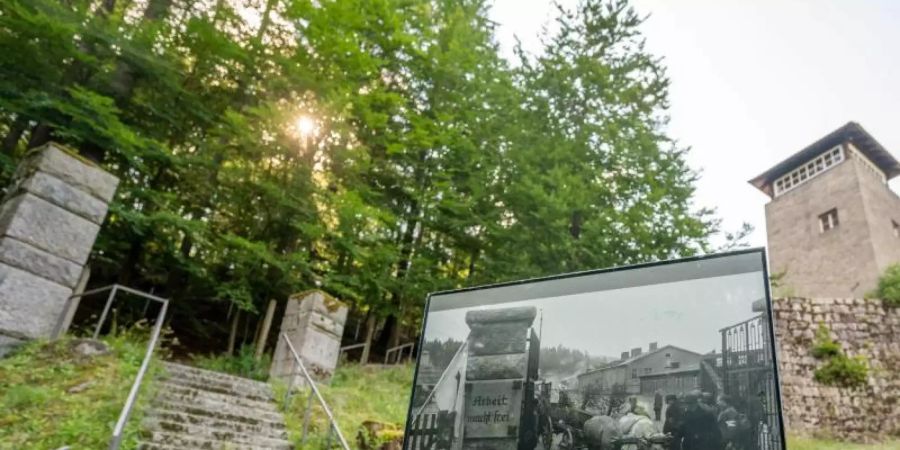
314 322
496 374
49 220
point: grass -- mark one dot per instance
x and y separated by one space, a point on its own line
50 397
801 443
244 364
356 394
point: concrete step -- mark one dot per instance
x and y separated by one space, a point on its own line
222 411
269 429
175 391
160 440
191 371
237 387
186 430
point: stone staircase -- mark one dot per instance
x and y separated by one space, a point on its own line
202 409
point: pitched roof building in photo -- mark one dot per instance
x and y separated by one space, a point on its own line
833 223
680 366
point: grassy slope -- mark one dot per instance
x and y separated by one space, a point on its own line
359 393
37 411
356 394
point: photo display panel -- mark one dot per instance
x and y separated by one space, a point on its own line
676 355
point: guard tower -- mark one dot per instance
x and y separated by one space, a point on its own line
833 223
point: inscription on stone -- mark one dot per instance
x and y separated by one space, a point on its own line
493 408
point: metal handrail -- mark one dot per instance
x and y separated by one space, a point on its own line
347 348
119 430
136 386
333 426
399 351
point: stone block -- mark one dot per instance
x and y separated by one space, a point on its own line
30 306
55 160
320 302
498 339
496 367
314 324
66 196
47 265
48 227
524 314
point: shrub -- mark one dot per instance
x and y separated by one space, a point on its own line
825 347
838 369
844 371
889 286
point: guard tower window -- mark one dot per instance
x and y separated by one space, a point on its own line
828 220
896 227
809 170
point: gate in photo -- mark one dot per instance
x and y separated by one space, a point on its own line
746 370
431 431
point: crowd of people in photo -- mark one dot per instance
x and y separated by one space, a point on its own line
700 421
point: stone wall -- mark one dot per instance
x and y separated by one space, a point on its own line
49 220
862 327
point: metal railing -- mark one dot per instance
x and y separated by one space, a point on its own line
119 430
333 428
398 353
347 348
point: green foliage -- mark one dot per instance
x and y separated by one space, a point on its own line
435 163
243 364
844 371
356 394
888 288
838 369
50 397
825 347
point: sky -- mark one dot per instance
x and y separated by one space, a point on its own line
755 81
687 314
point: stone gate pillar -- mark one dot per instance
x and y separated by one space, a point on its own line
49 220
314 322
496 373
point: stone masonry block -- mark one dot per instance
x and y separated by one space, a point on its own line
53 159
314 324
44 225
66 196
30 306
47 265
496 367
500 338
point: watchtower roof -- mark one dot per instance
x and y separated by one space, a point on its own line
851 132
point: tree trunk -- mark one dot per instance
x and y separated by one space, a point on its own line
370 332
264 332
40 135
232 336
14 135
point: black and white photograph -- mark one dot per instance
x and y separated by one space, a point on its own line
669 356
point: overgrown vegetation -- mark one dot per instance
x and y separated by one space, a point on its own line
378 149
837 369
51 397
243 364
888 289
356 394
